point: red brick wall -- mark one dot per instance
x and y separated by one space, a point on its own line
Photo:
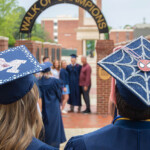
3 43
48 26
121 36
32 46
67 35
99 3
81 16
103 48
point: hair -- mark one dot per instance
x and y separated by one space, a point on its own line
62 63
54 65
129 111
20 122
46 74
44 58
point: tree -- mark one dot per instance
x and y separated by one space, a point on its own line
7 18
39 34
20 11
11 16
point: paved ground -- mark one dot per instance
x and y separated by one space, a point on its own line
78 123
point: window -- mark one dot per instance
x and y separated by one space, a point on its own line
53 54
55 23
46 52
58 54
37 54
127 36
117 37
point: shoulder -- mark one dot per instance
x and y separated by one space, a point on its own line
62 70
75 143
78 65
89 65
56 82
39 145
89 141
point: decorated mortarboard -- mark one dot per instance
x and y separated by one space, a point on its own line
73 56
17 66
46 67
130 66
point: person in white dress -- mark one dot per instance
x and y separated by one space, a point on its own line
55 69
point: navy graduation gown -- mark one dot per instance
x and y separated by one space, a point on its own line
38 145
122 135
75 93
64 76
51 92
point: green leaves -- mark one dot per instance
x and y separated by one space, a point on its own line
11 16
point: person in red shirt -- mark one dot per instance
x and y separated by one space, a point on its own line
85 82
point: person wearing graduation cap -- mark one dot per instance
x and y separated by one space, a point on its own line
20 121
75 93
51 93
130 66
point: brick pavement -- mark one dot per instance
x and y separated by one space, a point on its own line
79 124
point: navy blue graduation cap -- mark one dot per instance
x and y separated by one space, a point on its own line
130 66
73 56
46 67
17 66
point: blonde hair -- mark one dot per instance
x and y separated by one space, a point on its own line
62 63
20 122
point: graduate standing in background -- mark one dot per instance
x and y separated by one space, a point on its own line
20 121
51 93
130 66
75 92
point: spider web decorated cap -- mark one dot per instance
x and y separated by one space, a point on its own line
130 66
17 66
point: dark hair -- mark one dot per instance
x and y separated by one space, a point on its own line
128 111
45 58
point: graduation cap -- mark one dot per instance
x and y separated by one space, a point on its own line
17 66
46 67
73 56
130 66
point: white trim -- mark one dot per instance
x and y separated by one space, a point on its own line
121 30
4 38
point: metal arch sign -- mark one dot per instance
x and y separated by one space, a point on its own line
39 6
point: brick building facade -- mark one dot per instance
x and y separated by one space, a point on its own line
65 30
121 35
40 49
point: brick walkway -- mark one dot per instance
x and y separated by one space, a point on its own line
79 124
78 120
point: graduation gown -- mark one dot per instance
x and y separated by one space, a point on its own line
122 135
51 92
64 76
75 93
39 145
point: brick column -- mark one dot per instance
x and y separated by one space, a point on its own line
99 4
29 44
81 16
3 43
103 48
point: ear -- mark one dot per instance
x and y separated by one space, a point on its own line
113 91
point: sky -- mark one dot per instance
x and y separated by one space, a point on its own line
117 13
